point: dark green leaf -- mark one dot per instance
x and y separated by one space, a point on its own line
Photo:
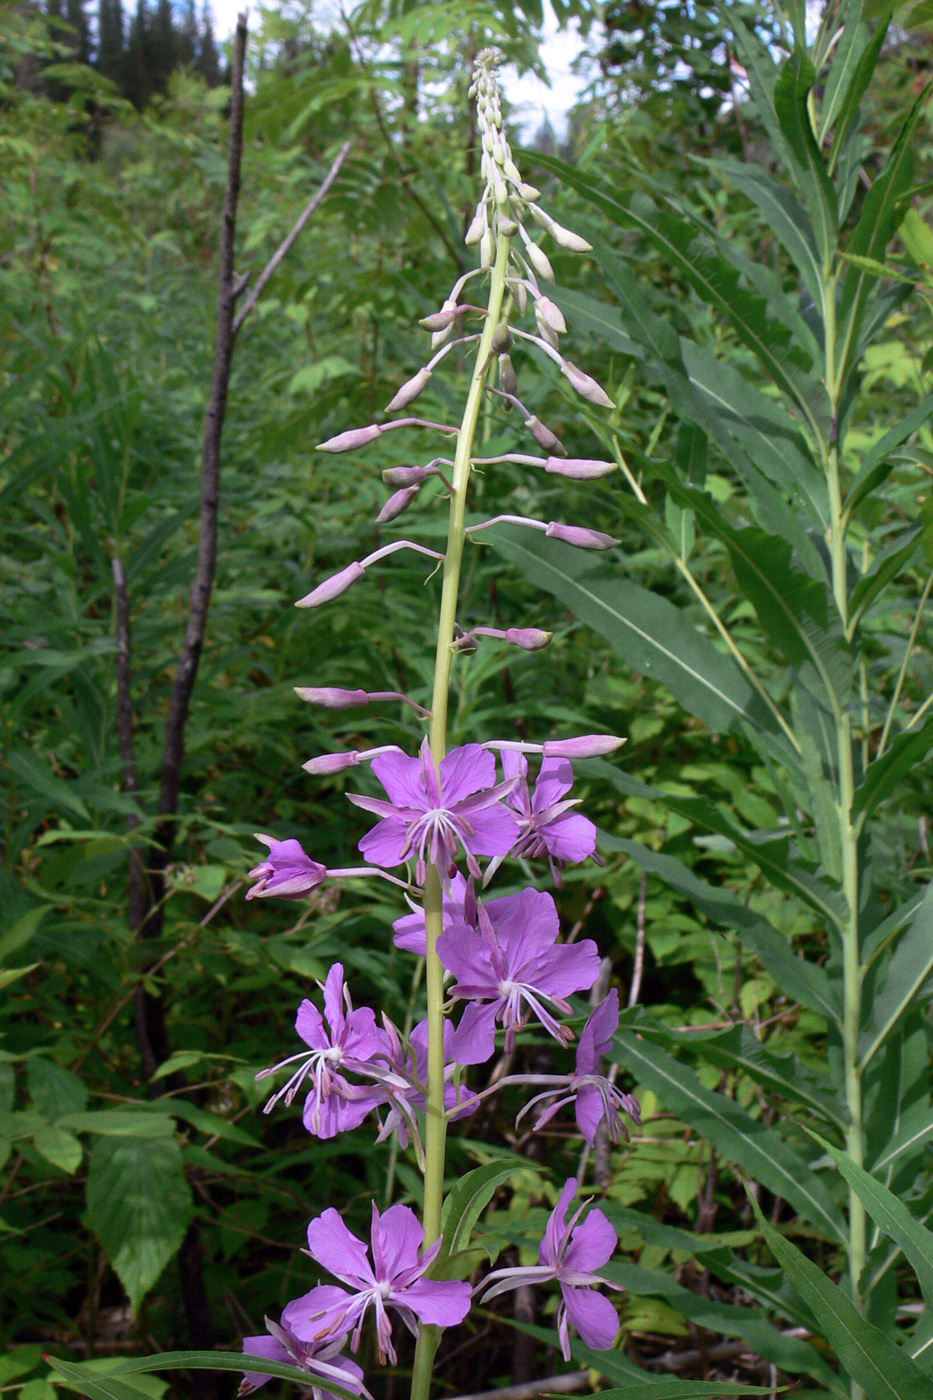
910 966
791 91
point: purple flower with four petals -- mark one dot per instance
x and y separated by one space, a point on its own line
395 1279
320 1359
514 965
432 813
569 1252
548 825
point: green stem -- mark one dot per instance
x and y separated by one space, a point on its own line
435 1131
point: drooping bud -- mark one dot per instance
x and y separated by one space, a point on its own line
586 385
539 261
548 313
548 336
327 763
440 320
508 379
330 697
409 391
502 338
529 192
580 536
475 232
566 238
352 440
332 587
544 437
520 293
397 504
583 746
578 468
406 476
528 638
507 226
487 248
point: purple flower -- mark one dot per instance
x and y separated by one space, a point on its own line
395 1278
410 933
596 1099
288 872
318 1358
549 827
403 1081
429 815
340 1039
514 965
569 1252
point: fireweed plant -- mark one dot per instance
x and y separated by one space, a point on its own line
449 820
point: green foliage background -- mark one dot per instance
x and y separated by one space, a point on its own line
697 312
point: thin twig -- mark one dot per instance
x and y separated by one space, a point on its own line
284 247
635 989
555 1385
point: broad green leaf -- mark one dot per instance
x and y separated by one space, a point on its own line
59 1147
139 1206
889 1212
885 773
791 91
647 630
740 1138
789 1353
53 1089
470 1197
868 1355
910 965
38 1389
80 1375
800 980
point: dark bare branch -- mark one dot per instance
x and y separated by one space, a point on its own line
284 247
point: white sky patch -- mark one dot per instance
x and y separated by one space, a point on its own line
533 100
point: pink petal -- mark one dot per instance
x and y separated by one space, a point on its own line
333 1246
589 1111
385 843
553 1241
402 779
570 837
334 1006
467 956
592 1315
464 771
596 1036
270 1350
440 1301
496 832
400 1238
591 1243
567 968
326 1309
554 782
474 1040
309 1023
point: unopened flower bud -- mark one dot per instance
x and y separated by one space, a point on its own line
487 248
584 746
529 638
352 440
548 336
520 293
475 232
580 536
327 763
544 437
511 169
405 476
397 504
508 379
549 314
330 697
502 338
409 391
578 468
501 192
507 226
586 385
528 192
332 587
539 261
440 320
565 238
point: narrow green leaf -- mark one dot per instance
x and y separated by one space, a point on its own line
869 1356
905 1145
877 464
883 776
785 218
854 35
740 1138
891 1215
887 564
791 91
22 930
38 775
910 966
647 630
469 1198
800 980
139 1206
848 107
72 1372
117 1122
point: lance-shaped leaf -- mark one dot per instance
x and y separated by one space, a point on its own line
905 1145
790 1353
795 609
648 631
742 1140
791 91
883 776
910 966
469 1198
799 980
717 282
843 96
891 1215
81 1377
868 1355
888 563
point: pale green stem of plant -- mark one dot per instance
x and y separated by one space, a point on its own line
920 713
435 1128
902 674
848 841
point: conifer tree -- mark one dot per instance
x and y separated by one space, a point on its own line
164 45
110 40
208 59
138 85
80 40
